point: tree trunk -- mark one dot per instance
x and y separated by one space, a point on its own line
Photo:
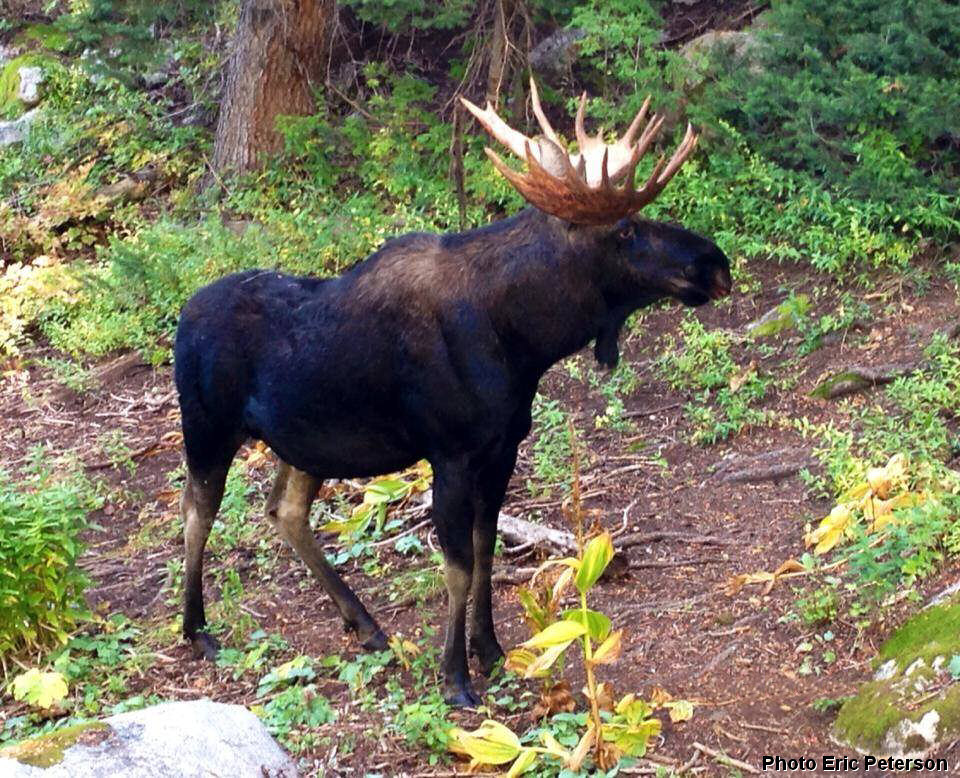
279 55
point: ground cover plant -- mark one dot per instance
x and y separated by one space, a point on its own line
776 477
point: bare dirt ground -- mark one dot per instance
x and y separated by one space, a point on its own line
731 654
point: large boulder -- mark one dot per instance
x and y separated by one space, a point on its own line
183 739
911 706
740 44
31 77
16 130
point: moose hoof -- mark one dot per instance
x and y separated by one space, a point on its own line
461 696
205 646
371 637
376 642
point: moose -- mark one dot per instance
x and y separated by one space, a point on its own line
431 348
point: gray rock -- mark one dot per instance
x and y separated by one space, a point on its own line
742 45
16 130
739 43
556 53
183 739
913 739
31 77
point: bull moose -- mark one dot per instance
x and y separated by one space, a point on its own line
431 348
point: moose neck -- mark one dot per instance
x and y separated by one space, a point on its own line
555 288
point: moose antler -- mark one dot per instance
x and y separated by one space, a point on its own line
580 188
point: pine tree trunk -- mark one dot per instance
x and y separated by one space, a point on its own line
279 55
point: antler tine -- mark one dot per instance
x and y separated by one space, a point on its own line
651 188
583 188
649 133
497 127
541 116
582 138
627 139
683 151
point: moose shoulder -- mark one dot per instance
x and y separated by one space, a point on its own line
430 348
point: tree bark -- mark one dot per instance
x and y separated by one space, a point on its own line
279 55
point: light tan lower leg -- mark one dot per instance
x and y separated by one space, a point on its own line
288 507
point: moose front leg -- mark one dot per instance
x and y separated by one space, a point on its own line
490 491
288 507
453 518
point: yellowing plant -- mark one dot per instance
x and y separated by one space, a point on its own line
626 732
883 490
377 495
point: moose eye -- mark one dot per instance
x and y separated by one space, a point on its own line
626 233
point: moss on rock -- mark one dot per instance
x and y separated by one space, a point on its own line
47 750
888 713
11 107
930 633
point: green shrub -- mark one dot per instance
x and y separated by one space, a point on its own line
41 587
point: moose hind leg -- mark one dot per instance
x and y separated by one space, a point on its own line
492 486
288 507
198 506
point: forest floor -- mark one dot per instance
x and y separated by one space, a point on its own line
737 655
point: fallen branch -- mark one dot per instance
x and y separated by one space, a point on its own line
519 532
769 466
723 759
639 538
859 377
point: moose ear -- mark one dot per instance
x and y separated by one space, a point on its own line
607 349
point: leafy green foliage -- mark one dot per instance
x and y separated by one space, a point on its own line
405 15
551 447
726 394
41 590
43 690
860 97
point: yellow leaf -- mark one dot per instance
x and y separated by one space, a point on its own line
553 745
831 529
522 763
583 748
609 651
659 697
596 557
539 666
490 743
879 481
42 690
518 660
560 632
680 710
828 540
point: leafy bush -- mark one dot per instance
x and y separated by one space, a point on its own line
860 95
838 150
41 587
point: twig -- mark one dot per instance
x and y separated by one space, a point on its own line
724 759
639 538
352 103
408 531
676 563
247 609
762 728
